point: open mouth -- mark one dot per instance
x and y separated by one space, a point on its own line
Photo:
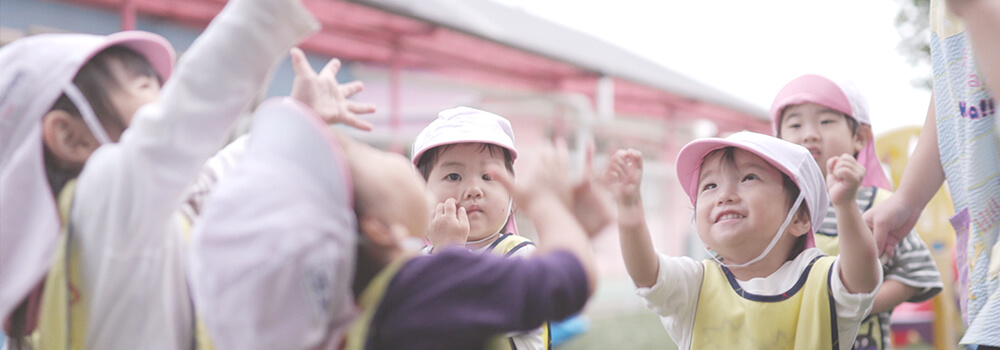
728 216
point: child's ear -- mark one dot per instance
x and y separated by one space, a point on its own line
862 137
68 138
801 224
376 231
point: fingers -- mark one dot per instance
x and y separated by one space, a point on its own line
500 175
351 88
331 68
463 218
450 208
300 64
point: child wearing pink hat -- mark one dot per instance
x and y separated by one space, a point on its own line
831 119
758 200
95 160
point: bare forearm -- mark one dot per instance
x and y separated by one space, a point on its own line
923 175
859 265
641 261
560 231
892 294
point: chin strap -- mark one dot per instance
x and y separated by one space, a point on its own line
774 241
87 112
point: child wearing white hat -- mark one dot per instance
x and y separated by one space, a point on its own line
286 251
758 200
472 210
84 121
831 119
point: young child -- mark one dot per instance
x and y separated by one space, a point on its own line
830 120
84 120
474 211
291 246
960 142
757 199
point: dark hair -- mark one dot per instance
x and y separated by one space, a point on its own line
427 161
95 80
851 123
728 157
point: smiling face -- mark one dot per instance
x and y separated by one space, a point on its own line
742 202
824 131
459 172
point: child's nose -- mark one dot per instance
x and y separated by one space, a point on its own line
474 191
727 194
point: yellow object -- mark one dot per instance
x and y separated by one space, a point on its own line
506 246
62 305
730 318
933 226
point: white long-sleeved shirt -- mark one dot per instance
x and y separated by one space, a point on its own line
124 215
674 296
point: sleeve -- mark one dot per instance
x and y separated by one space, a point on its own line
144 177
852 308
472 297
913 265
678 283
210 175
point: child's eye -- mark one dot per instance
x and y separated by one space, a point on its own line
828 121
750 177
487 177
707 187
453 177
793 126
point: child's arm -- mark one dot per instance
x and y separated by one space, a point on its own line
893 219
891 294
543 193
982 23
592 203
624 175
859 266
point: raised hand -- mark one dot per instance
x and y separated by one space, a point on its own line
623 176
544 177
450 225
327 97
592 202
843 177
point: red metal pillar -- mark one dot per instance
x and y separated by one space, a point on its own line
128 14
395 122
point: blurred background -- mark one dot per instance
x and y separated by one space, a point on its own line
624 73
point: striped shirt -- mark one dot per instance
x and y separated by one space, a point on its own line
911 264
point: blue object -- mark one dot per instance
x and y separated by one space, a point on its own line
567 329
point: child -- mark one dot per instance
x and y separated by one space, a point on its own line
832 119
960 142
291 246
757 201
474 211
72 127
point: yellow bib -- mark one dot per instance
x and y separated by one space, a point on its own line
506 246
63 316
870 332
728 317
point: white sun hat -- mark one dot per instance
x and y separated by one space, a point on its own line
464 125
791 159
272 259
34 72
467 125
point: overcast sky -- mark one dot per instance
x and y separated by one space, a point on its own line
752 48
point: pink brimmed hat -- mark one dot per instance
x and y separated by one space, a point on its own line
791 159
34 72
843 97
